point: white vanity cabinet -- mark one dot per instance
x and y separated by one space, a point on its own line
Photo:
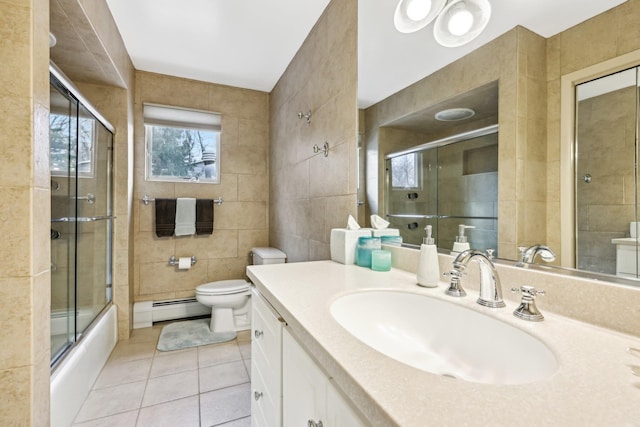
309 398
266 364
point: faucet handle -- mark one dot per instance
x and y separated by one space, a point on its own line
490 253
527 309
527 291
455 289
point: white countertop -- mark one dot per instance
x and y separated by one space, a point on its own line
593 385
630 241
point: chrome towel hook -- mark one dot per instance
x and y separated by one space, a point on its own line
307 116
324 149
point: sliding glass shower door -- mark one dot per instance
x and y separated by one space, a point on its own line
81 149
446 183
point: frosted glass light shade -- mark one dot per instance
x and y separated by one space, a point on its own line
413 15
461 21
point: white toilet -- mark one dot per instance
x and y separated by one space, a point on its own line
230 300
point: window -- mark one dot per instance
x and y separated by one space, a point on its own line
405 171
68 151
182 144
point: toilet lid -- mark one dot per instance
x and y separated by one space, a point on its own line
224 287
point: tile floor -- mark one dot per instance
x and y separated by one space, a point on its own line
201 387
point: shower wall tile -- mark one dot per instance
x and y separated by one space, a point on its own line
240 223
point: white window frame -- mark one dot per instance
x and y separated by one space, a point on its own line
417 172
163 116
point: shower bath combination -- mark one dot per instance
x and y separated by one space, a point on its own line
81 162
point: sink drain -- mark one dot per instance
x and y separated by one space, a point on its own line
449 376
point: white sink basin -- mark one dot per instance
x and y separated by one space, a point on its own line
443 338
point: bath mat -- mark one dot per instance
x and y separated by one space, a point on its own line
191 333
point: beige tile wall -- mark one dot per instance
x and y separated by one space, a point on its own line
310 194
240 223
606 36
516 60
24 213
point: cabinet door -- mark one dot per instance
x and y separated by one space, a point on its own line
339 412
303 386
266 365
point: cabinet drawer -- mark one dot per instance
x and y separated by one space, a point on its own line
266 333
265 401
266 364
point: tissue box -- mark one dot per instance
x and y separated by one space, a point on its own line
344 242
385 232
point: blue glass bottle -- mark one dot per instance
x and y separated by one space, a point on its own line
363 251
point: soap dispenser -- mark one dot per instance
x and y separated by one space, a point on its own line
428 274
461 244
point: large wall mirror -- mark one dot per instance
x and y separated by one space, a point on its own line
517 82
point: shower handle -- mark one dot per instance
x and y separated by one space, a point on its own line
90 198
587 178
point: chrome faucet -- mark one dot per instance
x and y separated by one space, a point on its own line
528 255
490 287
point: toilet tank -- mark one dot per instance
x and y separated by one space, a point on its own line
268 256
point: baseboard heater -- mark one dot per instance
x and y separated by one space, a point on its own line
146 313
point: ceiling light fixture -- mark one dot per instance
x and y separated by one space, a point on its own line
454 114
413 15
457 22
461 21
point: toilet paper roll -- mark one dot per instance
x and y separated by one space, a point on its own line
184 263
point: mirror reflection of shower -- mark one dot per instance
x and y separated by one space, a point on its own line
81 159
606 174
444 184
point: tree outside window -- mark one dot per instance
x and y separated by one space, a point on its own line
182 154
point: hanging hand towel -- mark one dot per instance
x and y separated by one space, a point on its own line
165 217
204 216
185 217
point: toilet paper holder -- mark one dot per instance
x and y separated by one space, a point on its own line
173 261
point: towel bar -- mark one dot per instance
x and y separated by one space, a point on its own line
146 200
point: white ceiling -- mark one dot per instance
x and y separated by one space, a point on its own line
242 43
249 43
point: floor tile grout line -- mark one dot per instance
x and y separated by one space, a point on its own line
199 393
229 421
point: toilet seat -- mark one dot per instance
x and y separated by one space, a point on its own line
223 287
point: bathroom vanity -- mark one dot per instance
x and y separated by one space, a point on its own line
331 376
